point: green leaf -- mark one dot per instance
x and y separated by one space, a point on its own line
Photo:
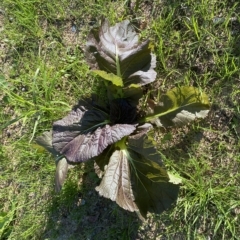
151 186
151 169
114 92
133 94
116 80
180 106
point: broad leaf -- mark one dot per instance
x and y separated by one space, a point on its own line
148 187
116 50
84 134
151 187
180 106
142 143
116 182
154 197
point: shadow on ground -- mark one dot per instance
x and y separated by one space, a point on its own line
78 212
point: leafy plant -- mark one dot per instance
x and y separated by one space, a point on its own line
116 132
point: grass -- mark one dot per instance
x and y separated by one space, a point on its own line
43 73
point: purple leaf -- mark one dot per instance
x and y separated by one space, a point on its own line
116 50
116 182
84 134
